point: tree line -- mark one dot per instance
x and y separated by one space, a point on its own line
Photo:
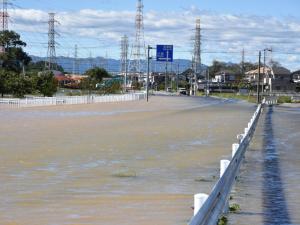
13 64
19 76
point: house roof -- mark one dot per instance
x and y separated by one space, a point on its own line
61 77
267 70
274 70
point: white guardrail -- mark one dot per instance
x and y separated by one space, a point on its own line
70 100
209 208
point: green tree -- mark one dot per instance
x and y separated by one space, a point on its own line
4 89
94 78
96 75
35 67
112 87
15 84
13 58
248 66
216 67
46 83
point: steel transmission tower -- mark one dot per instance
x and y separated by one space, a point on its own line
124 54
4 16
197 49
76 61
138 51
51 54
124 59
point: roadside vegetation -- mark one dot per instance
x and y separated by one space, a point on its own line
13 62
248 98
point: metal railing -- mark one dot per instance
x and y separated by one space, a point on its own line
214 205
69 100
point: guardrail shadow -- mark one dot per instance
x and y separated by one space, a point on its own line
274 202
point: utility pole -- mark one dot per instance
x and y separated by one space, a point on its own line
207 83
258 79
243 63
166 75
197 54
51 55
124 59
177 76
264 72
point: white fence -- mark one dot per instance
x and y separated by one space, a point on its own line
70 100
209 208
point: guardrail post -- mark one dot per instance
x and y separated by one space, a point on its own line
235 147
224 163
199 200
223 166
240 137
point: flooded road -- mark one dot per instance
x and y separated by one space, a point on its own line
128 163
269 187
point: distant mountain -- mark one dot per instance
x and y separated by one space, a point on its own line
113 65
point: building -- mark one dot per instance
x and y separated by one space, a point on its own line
69 80
225 77
252 76
271 79
295 76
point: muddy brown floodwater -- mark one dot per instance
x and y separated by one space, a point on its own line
121 163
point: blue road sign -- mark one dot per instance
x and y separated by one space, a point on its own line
164 53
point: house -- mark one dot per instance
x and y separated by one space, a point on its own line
225 77
271 79
252 76
69 80
62 79
295 76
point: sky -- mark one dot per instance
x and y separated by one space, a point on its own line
228 27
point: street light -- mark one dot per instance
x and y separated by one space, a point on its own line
269 50
148 71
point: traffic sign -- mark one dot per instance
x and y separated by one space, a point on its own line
164 53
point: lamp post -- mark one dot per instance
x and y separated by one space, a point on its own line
258 80
148 71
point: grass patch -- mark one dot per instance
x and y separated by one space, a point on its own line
248 98
203 179
234 208
223 221
284 99
206 179
125 174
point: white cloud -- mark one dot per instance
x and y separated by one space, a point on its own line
220 32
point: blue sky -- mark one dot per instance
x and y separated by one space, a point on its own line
253 7
228 27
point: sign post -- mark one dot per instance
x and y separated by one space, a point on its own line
164 53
